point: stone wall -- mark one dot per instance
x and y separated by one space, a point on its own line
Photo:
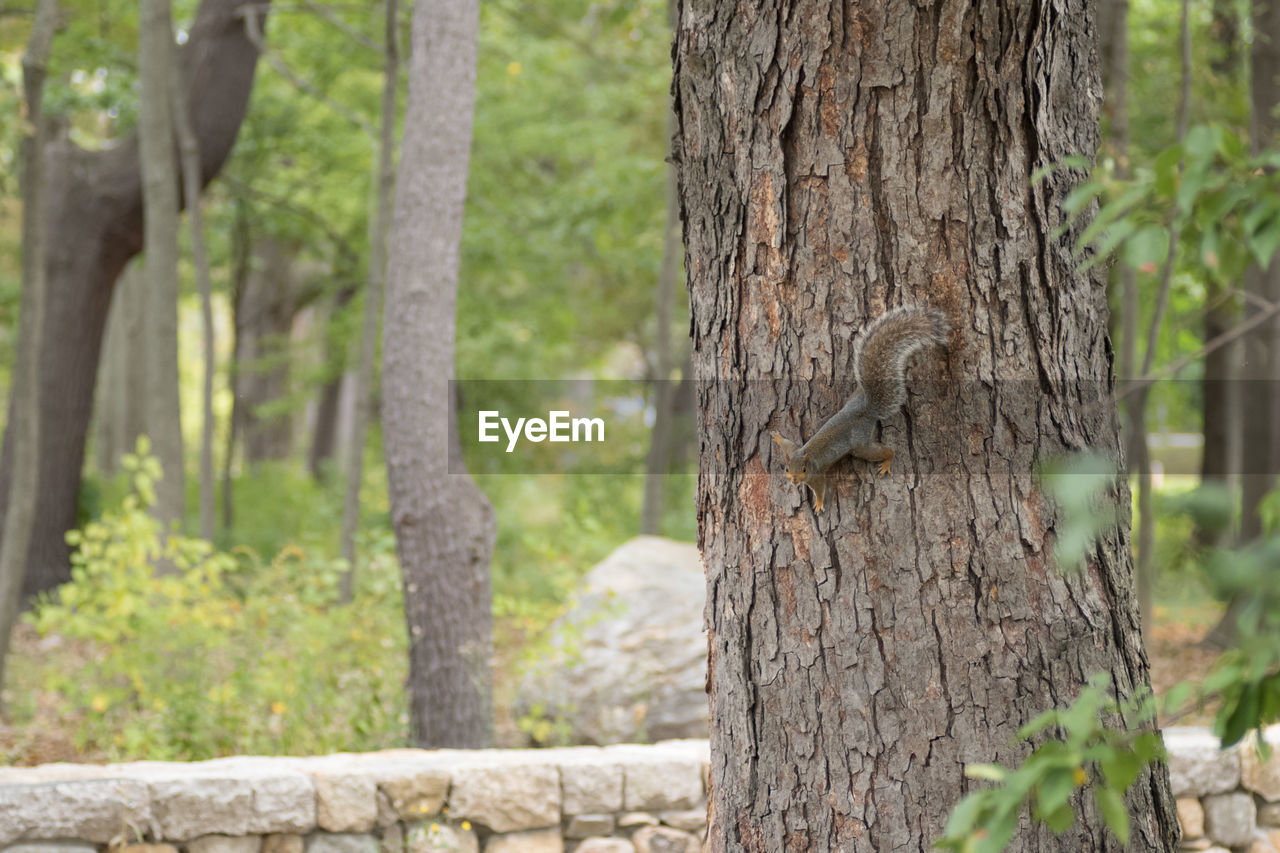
617 799
1228 799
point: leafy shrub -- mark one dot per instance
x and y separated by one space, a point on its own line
196 652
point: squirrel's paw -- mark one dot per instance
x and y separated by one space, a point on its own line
883 468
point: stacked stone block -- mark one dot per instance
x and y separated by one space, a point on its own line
618 799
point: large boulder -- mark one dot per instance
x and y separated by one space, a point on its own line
628 661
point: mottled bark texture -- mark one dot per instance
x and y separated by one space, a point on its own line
835 160
95 208
444 525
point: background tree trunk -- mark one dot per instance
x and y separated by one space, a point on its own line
661 439
443 523
189 155
157 65
1260 365
836 160
324 435
95 208
264 323
363 387
24 429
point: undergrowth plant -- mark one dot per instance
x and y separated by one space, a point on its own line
193 653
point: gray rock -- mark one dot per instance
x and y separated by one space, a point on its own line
629 820
95 810
605 845
392 839
1197 764
1229 819
1261 777
591 786
536 841
189 806
1269 814
341 842
587 825
507 798
225 844
629 659
51 847
284 801
694 820
664 839
440 838
659 780
1190 817
414 791
346 801
282 843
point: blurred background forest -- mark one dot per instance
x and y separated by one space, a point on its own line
568 272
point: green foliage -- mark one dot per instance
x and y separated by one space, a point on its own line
1103 741
1083 487
565 209
199 653
1091 753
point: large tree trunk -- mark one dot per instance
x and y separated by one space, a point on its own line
836 160
444 525
95 208
156 134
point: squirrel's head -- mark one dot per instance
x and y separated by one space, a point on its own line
797 470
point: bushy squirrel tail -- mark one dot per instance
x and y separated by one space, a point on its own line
881 350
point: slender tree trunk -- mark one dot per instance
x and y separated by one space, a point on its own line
1220 400
1141 461
113 366
95 208
444 525
658 461
241 247
189 151
24 423
324 437
156 70
134 419
264 325
835 160
1260 365
379 223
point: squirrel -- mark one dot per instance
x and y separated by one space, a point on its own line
880 354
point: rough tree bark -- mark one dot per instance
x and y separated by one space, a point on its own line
363 388
95 208
835 160
157 62
444 525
